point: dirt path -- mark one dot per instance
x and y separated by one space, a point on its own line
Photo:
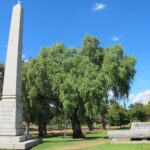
82 145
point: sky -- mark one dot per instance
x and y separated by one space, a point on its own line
124 22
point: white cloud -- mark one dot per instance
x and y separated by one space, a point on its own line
99 6
116 38
131 96
24 58
142 97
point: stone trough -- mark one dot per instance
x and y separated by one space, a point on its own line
138 131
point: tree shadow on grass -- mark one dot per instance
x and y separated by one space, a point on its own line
123 128
95 137
63 141
53 135
70 139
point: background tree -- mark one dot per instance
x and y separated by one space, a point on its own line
117 115
90 122
148 110
138 112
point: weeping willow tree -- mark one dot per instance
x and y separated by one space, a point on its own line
76 81
118 69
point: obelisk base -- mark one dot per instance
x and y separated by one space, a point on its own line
11 131
18 142
11 116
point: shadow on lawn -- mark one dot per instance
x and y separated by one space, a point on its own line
69 138
123 128
52 135
95 137
63 141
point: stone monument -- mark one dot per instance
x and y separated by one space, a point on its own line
140 131
11 107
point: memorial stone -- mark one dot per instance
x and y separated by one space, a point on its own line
11 107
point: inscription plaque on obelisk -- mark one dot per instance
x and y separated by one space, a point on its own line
11 107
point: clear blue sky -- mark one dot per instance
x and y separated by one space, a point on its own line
46 22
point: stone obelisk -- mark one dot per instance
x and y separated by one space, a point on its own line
11 107
11 104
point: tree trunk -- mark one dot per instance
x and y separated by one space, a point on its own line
40 127
76 126
45 128
102 119
90 124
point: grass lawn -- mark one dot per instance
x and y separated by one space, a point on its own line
119 147
93 141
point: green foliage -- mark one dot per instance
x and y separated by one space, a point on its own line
119 69
82 88
76 81
138 112
57 122
36 92
147 107
91 49
42 77
117 115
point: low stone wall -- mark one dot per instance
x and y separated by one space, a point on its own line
129 134
136 126
139 130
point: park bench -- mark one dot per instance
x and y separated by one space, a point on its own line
138 131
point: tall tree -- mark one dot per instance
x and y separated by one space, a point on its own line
36 93
76 80
81 90
119 69
41 81
91 48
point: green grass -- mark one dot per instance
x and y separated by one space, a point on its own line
53 142
56 141
120 147
92 141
